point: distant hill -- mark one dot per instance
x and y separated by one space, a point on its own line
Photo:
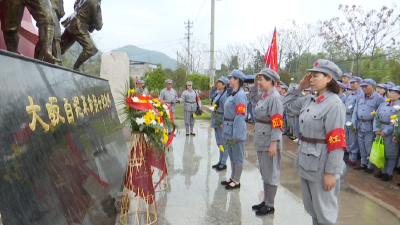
143 55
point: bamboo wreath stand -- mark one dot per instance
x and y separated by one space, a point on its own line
137 208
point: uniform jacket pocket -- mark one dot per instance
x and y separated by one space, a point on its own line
228 128
315 121
309 158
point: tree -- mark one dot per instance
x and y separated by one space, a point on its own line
200 82
223 72
179 78
362 32
155 80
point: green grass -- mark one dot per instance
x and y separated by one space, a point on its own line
179 113
206 102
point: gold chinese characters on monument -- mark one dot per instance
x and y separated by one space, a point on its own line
78 108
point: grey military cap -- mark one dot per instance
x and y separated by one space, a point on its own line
395 88
349 75
141 82
328 67
224 80
237 74
189 83
356 79
366 82
169 81
271 74
390 84
308 89
382 85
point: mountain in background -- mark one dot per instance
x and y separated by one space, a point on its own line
142 55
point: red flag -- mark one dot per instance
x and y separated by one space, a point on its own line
272 58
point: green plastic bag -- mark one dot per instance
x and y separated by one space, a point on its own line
377 156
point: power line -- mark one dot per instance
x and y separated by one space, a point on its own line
198 14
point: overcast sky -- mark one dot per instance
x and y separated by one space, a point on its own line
145 23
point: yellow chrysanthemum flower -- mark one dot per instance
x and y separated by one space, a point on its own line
169 116
155 100
222 148
373 112
161 113
194 115
215 106
147 121
387 100
158 119
165 138
394 116
157 130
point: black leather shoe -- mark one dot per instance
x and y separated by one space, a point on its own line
187 134
216 165
229 187
221 167
265 210
226 182
368 171
361 167
379 175
259 206
193 134
387 177
350 163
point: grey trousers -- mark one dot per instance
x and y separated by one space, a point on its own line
189 121
365 140
223 156
236 155
269 194
320 204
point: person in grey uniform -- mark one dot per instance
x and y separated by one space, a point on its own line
346 79
190 98
351 132
385 130
219 100
362 120
307 92
283 91
235 128
254 98
142 88
342 92
213 91
268 138
170 97
382 89
319 156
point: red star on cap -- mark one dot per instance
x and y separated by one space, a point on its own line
363 81
316 64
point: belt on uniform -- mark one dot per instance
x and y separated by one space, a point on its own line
171 103
263 121
348 114
221 113
365 120
385 123
226 119
312 140
190 102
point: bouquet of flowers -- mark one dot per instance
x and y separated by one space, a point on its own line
229 144
395 121
216 115
148 115
376 118
349 123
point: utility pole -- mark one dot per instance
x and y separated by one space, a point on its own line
212 50
188 25
177 59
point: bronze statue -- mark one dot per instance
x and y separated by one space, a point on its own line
57 14
12 12
87 18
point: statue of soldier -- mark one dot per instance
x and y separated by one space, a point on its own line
87 18
12 12
57 13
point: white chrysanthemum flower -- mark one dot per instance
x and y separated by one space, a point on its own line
348 124
140 121
162 124
350 106
396 107
392 121
165 107
212 108
135 99
151 101
143 95
153 122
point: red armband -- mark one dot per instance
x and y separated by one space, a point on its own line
277 121
197 99
241 109
336 139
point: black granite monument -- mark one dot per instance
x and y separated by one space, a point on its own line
62 151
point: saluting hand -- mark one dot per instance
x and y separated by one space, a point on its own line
329 181
305 82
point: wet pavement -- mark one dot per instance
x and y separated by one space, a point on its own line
195 195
